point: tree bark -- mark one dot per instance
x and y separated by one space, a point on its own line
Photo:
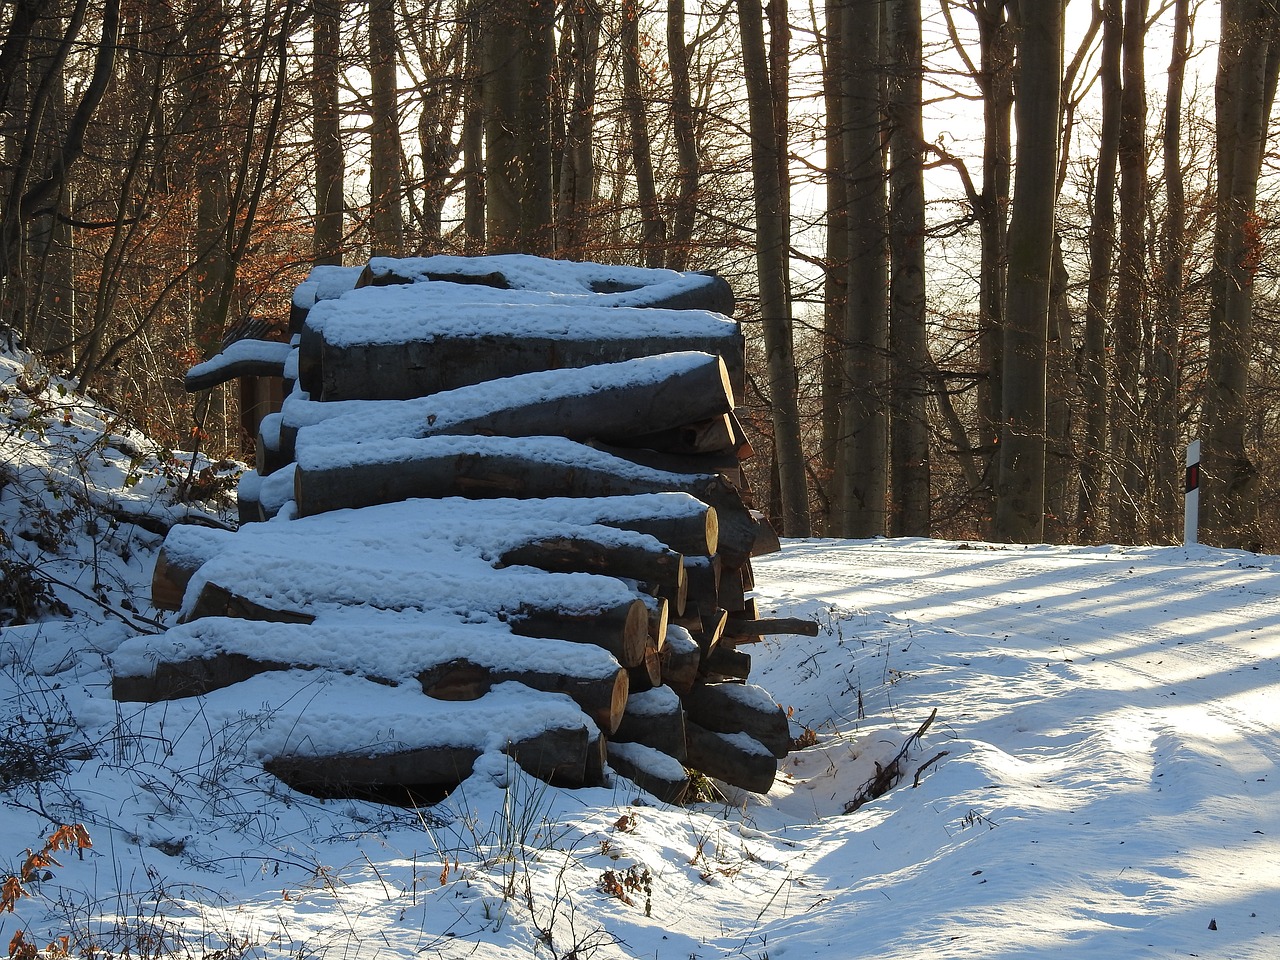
386 219
908 334
1128 489
653 230
862 465
1094 461
685 134
1020 488
772 251
1167 501
326 135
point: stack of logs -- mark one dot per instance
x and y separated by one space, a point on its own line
514 456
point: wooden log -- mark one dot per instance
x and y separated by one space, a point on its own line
622 630
685 533
741 445
627 286
268 455
765 538
725 661
186 548
214 600
712 630
656 719
740 708
483 468
749 611
773 626
736 759
406 370
724 464
681 657
243 358
648 674
580 552
651 770
703 576
693 439
603 700
558 755
598 402
451 660
732 593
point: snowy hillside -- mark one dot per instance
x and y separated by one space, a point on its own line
1099 776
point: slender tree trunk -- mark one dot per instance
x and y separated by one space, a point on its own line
996 39
1102 234
685 133
473 133
537 217
1129 494
836 276
1167 503
578 167
503 47
326 18
652 228
907 328
1020 484
207 83
864 453
772 251
386 219
1061 463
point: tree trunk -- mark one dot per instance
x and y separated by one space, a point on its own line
836 273
1167 502
1128 489
1094 461
652 228
908 334
772 251
685 134
1020 488
864 455
386 220
326 18
578 165
1228 498
996 39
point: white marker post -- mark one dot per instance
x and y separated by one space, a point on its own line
1191 501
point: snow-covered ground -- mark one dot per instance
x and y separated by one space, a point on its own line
1099 777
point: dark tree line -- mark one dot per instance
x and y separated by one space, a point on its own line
1016 349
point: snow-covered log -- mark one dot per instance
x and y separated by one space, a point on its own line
243 358
589 284
736 758
681 657
655 718
393 343
447 659
740 708
651 770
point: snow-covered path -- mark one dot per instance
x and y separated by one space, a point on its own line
1111 718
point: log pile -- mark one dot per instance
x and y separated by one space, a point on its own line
507 485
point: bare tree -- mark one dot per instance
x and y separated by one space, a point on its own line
772 250
1021 479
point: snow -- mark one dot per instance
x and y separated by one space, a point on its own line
393 647
430 311
224 366
1100 778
